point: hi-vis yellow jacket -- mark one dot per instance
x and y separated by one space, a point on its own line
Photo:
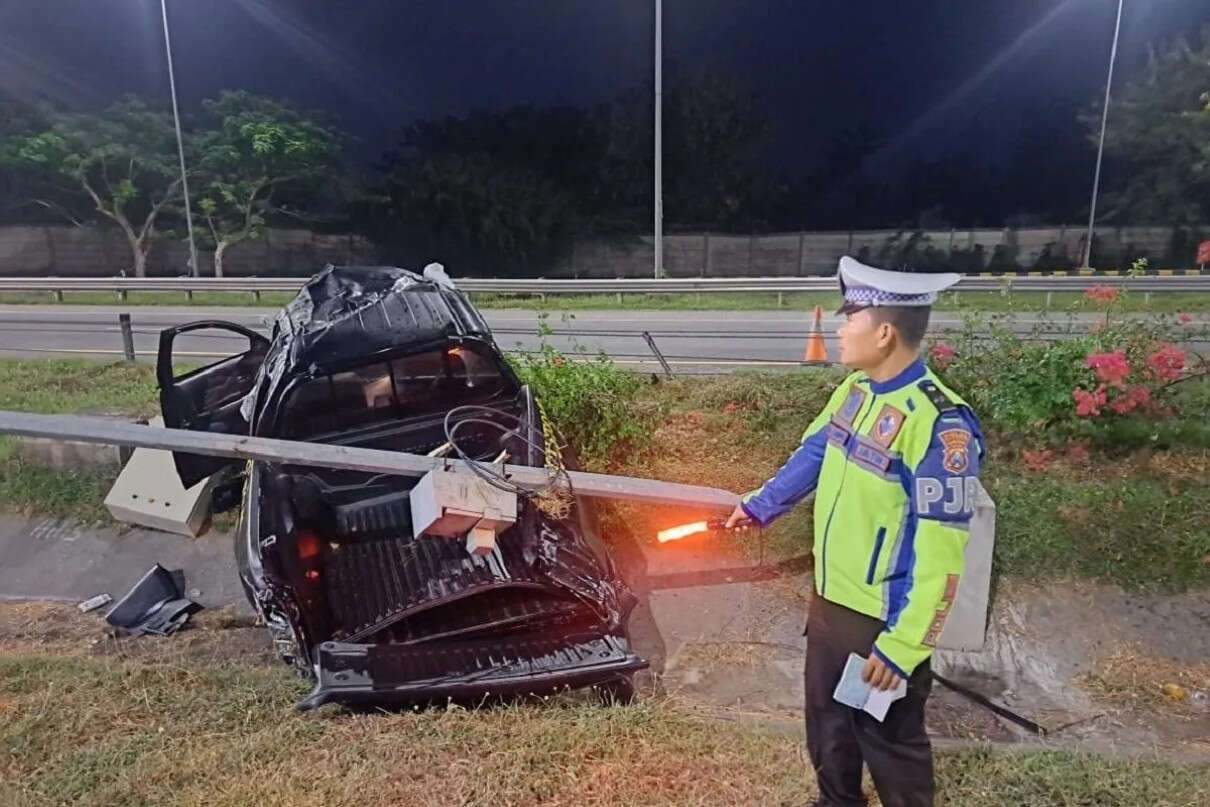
893 468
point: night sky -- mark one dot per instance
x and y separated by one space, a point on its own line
935 76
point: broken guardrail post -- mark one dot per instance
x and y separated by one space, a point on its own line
658 354
127 336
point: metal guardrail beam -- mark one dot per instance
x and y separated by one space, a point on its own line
1146 284
323 455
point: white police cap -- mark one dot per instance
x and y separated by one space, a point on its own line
864 286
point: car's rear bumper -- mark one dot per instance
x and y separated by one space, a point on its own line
354 674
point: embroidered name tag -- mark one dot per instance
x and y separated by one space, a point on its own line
837 435
870 456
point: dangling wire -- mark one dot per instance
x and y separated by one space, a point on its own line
554 498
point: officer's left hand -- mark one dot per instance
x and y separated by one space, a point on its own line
878 675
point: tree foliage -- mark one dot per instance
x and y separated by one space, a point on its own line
122 161
257 149
1157 145
502 188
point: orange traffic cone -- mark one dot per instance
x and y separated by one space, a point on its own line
817 352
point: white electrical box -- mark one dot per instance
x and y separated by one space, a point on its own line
454 505
148 492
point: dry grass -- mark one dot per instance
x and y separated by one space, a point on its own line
202 719
1130 678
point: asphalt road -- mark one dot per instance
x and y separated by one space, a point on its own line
691 341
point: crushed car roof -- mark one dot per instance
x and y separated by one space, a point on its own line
349 314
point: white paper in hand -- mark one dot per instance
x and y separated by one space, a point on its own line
853 692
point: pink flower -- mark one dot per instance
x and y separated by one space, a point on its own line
1110 368
1088 404
1037 460
1167 363
1185 319
1078 453
1125 404
1101 294
942 354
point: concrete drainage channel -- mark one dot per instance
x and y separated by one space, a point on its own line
731 646
725 636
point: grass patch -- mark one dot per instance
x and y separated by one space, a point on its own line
58 386
1147 531
1139 520
33 489
150 721
64 386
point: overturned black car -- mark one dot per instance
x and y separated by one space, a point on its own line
377 357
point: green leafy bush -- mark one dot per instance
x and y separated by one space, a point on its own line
591 402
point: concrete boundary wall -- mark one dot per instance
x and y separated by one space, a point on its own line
99 251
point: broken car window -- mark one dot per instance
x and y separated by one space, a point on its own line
410 385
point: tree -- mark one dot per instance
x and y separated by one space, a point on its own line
713 133
24 193
1157 144
513 187
475 212
257 149
496 188
123 161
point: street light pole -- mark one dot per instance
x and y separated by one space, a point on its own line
1096 179
180 145
659 138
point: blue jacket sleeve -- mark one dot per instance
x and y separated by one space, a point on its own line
798 477
794 482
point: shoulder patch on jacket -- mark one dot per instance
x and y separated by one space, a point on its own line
938 398
887 425
852 404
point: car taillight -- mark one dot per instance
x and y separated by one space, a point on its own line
308 545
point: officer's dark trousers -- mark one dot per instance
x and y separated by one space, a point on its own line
839 738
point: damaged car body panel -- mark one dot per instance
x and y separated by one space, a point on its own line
377 357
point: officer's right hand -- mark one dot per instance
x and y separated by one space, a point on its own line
738 520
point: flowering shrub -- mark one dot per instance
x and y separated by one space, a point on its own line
941 355
1167 363
1088 404
1102 294
1110 368
1065 378
1122 389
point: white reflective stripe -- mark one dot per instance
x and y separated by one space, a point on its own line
928 492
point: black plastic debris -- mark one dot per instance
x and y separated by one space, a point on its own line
156 605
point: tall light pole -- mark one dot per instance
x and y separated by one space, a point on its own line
659 138
180 145
1096 178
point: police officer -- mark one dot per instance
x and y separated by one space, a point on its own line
892 460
